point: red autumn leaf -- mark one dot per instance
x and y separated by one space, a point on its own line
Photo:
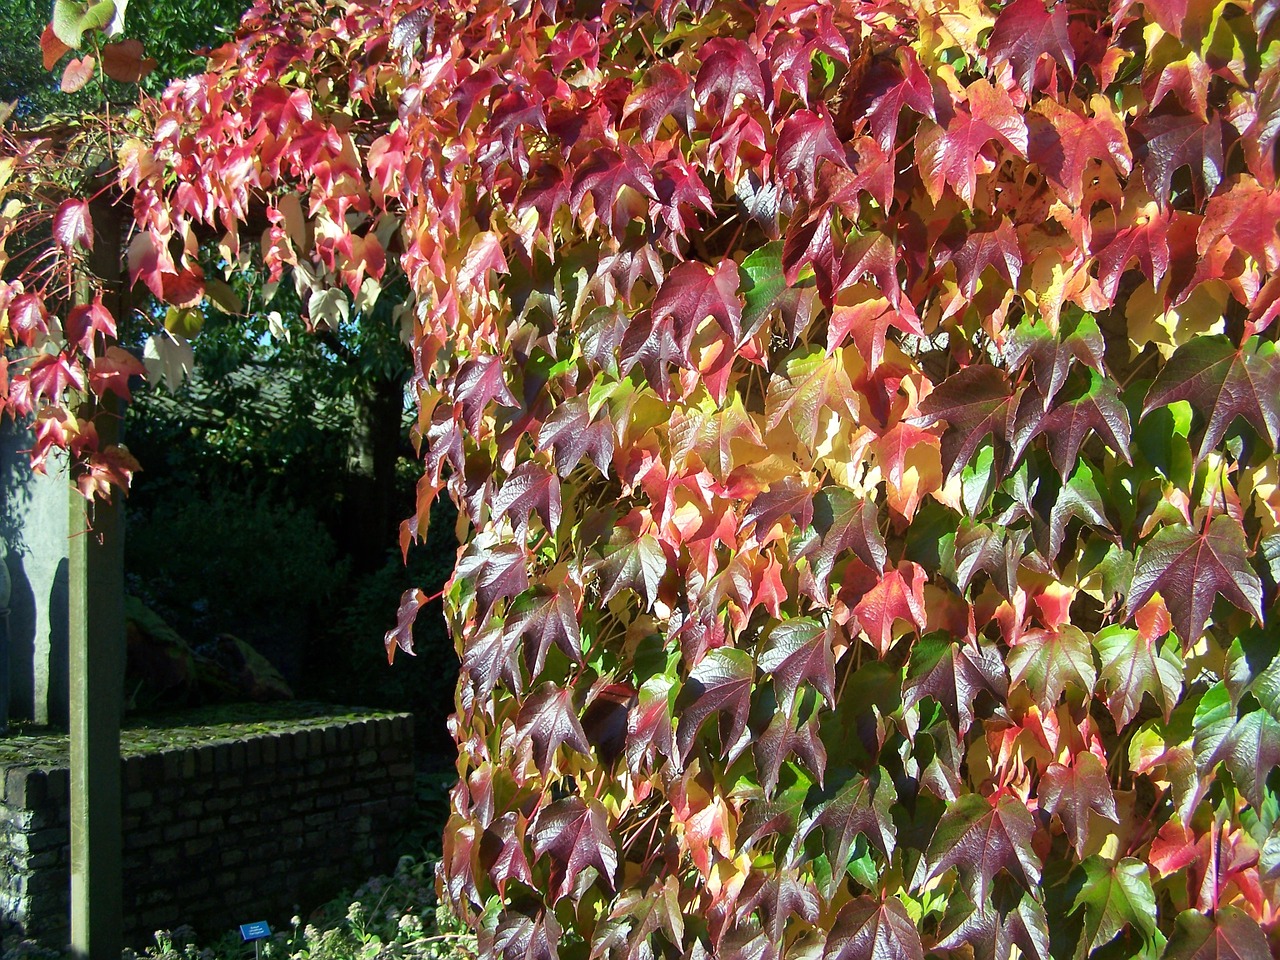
1074 792
954 674
870 929
1222 381
843 521
51 48
575 834
650 725
489 655
790 733
1249 216
862 806
1025 32
401 635
77 73
805 140
85 320
951 157
1230 934
73 225
1174 140
542 619
1062 143
571 433
1011 919
780 896
998 248
123 61
977 402
666 92
729 70
886 91
1099 409
50 374
548 721
980 837
633 562
479 382
874 255
110 373
799 651
497 572
898 595
719 685
693 292
529 488
1190 569
605 175
789 497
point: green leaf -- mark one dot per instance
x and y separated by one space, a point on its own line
765 290
1133 667
1047 660
72 18
1114 896
1230 934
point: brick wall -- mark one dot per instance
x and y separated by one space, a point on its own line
219 833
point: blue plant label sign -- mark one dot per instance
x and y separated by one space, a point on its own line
255 931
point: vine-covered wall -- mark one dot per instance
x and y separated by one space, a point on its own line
220 833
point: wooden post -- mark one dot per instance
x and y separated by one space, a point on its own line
96 669
96 622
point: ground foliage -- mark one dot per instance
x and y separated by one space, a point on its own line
865 419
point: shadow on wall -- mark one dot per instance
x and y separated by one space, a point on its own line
33 527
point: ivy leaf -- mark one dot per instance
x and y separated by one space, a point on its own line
719 684
806 139
886 91
635 562
953 674
1073 791
1114 896
843 521
480 381
980 249
667 92
1046 660
1025 32
1222 382
1063 142
950 157
650 727
549 720
73 18
1078 497
1251 751
979 837
811 382
604 175
791 732
575 833
530 487
862 806
692 292
489 656
798 651
870 929
1230 934
497 572
571 433
518 936
1133 666
788 497
73 226
893 598
541 619
997 550
1174 140
1147 241
1099 409
975 402
1012 918
765 291
1189 569
729 70
781 895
